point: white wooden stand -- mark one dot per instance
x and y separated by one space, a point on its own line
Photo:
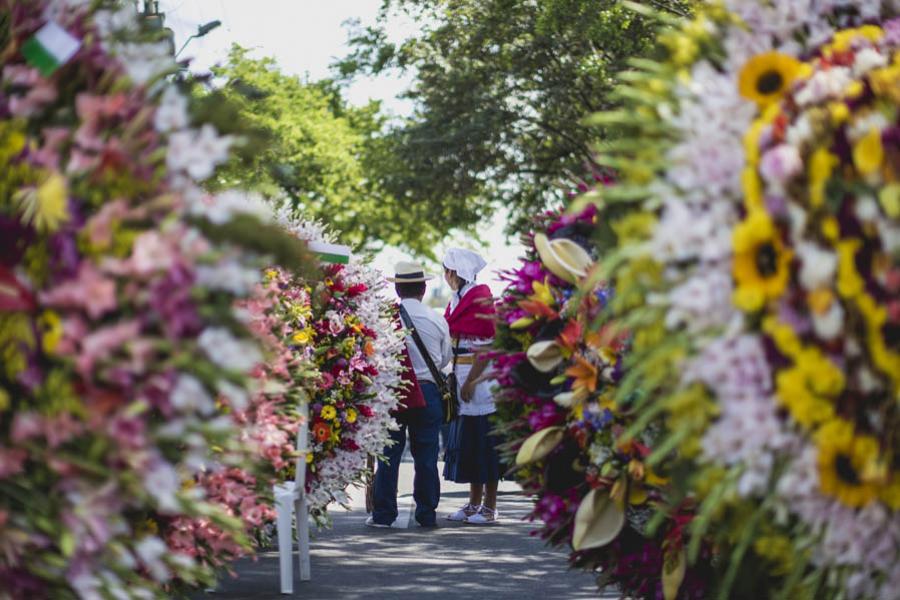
290 501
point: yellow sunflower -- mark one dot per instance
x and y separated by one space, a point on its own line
761 262
766 77
849 465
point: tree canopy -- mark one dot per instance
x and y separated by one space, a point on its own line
330 159
501 89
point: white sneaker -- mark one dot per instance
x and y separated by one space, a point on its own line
464 513
484 516
370 522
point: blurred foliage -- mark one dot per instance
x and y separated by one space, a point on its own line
501 88
330 160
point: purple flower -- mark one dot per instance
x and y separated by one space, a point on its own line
170 298
891 32
546 416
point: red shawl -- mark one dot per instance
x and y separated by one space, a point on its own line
474 315
411 395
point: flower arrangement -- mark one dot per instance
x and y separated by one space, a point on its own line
240 483
122 353
558 374
758 267
347 334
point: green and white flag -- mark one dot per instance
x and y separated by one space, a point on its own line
50 48
331 253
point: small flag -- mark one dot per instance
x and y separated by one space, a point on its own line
50 48
331 253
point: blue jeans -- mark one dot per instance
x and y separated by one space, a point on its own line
424 425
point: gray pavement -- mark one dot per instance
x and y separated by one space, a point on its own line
455 560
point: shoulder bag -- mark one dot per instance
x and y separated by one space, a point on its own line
446 385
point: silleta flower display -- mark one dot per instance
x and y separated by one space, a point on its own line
559 367
759 271
122 351
345 332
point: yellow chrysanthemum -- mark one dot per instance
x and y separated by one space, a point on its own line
350 415
843 40
825 377
761 262
868 153
849 282
839 112
302 337
328 412
848 464
765 77
51 325
821 164
807 408
784 336
808 388
47 206
885 82
889 198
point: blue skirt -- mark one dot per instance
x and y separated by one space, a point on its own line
471 455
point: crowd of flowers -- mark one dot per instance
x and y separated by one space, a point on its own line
758 268
345 330
559 365
123 358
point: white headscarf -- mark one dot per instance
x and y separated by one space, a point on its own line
466 263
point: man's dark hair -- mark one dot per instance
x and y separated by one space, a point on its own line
413 289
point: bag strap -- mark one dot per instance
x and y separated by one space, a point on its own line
407 321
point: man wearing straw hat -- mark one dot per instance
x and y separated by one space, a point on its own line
421 412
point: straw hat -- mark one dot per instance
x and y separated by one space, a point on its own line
563 257
409 272
544 356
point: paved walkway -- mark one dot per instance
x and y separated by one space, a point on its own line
352 561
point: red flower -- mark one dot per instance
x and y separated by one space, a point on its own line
321 431
570 336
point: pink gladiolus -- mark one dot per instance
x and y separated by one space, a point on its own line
99 228
11 461
90 290
26 425
152 253
100 344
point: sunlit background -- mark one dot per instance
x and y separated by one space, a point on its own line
305 37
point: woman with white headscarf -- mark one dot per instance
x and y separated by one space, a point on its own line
471 456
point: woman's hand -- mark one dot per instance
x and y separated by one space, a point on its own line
468 390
